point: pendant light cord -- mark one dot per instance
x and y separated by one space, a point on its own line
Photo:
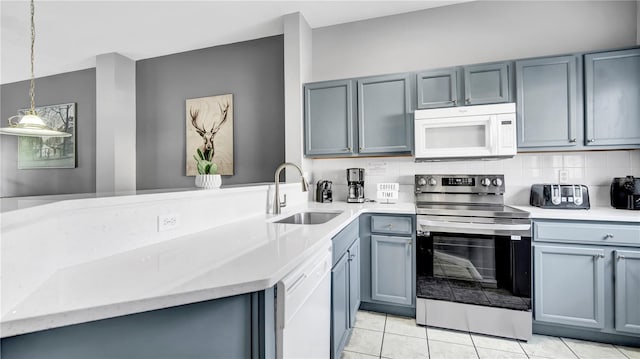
32 88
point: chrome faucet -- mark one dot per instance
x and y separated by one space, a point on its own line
276 201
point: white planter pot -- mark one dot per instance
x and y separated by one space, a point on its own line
208 181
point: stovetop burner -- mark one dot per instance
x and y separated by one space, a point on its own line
463 196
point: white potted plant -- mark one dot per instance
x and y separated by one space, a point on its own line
207 176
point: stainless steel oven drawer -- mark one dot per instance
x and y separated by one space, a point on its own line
603 233
391 224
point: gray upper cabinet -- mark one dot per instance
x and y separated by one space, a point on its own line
328 118
391 275
384 106
437 88
547 104
627 291
486 83
612 93
563 272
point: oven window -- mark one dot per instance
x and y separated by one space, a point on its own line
467 259
474 269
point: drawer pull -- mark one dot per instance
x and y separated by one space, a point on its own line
390 225
599 255
608 235
620 257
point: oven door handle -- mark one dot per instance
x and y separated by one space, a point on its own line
455 227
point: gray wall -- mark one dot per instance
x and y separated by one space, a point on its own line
78 87
468 33
252 71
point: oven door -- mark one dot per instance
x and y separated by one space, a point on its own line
487 264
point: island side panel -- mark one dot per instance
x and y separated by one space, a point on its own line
217 328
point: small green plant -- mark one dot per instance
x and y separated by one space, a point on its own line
205 163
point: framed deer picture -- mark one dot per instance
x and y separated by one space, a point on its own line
209 122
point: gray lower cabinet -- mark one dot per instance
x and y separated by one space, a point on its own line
569 271
345 286
627 291
354 281
587 280
391 269
612 90
387 265
548 102
384 121
340 322
328 118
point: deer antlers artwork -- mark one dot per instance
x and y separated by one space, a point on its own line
207 124
208 149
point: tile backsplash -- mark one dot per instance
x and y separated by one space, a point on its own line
592 168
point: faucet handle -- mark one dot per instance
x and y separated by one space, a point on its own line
284 202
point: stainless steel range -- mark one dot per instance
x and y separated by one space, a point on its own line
473 256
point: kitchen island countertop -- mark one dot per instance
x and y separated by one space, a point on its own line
249 255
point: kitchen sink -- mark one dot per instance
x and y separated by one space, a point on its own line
309 218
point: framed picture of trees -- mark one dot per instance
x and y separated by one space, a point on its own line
50 152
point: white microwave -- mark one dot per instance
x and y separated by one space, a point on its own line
468 132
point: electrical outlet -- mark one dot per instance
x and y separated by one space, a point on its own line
168 222
563 176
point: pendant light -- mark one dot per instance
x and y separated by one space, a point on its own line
30 124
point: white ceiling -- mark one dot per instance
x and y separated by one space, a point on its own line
69 34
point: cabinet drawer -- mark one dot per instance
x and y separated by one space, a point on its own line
602 233
343 240
391 224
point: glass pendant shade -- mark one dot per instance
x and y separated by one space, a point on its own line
30 124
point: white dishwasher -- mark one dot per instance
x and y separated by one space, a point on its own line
303 312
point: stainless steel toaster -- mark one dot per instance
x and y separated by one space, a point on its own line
563 196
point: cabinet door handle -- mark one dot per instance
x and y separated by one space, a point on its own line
620 257
573 140
468 101
348 149
591 140
608 235
599 255
455 102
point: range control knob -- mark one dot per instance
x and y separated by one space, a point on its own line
485 182
422 181
497 182
432 181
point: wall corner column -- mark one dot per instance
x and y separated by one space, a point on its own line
115 124
297 71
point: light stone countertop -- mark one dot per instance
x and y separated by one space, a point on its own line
608 214
249 255
241 257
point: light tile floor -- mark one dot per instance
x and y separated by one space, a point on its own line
385 336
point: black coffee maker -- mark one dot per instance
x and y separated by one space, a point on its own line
355 184
323 191
625 193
